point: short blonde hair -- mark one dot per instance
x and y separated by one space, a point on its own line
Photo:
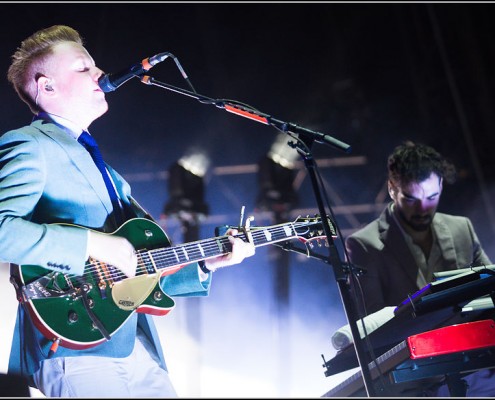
29 60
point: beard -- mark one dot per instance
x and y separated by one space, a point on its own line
419 223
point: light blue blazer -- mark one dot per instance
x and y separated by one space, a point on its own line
48 178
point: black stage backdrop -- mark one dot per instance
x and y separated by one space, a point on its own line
371 75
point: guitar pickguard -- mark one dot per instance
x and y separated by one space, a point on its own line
130 293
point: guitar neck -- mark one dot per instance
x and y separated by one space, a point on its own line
213 247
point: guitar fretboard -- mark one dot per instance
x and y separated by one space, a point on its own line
203 249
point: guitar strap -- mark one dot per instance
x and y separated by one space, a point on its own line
15 280
139 211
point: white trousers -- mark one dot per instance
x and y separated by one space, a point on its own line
137 375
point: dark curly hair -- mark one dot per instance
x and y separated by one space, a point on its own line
414 162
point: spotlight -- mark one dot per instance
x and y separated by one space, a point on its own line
186 187
276 177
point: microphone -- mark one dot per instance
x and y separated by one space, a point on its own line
110 82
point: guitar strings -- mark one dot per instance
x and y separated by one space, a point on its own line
209 247
170 257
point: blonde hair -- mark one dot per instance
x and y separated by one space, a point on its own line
29 60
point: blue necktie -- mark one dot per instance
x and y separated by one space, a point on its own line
92 147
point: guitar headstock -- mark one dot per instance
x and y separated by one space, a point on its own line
311 228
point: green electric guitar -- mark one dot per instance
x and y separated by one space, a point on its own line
80 312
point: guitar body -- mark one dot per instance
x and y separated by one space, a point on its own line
60 311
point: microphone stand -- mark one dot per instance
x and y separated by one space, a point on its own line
308 137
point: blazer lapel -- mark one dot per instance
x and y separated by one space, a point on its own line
79 157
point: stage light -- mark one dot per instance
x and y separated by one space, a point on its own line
186 188
276 173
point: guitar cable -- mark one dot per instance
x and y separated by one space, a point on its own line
53 347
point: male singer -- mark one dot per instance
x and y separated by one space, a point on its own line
57 209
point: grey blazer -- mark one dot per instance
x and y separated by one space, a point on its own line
391 273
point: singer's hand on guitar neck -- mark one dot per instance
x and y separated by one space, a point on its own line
113 250
240 250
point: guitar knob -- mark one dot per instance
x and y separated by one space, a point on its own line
157 296
73 317
86 287
91 302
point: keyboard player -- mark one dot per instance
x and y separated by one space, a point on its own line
410 241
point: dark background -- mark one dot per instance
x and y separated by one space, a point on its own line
371 75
